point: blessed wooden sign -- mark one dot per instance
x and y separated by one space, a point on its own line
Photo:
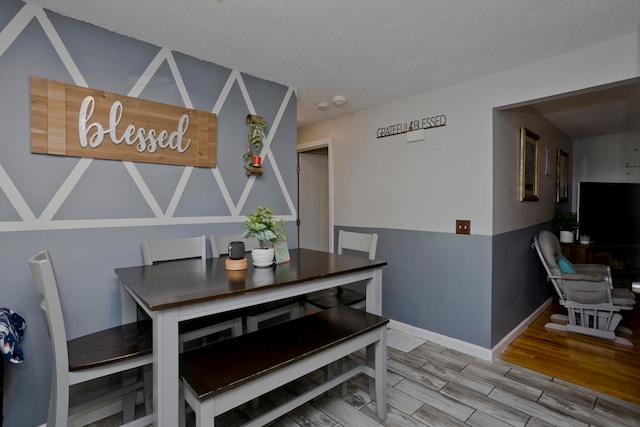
75 121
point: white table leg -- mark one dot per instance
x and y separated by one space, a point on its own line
374 293
128 306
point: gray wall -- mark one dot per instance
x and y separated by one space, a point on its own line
518 278
431 278
518 282
93 214
436 281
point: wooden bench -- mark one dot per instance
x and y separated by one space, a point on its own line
227 374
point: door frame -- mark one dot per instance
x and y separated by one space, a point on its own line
314 145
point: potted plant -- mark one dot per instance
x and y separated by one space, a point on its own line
252 159
261 225
565 224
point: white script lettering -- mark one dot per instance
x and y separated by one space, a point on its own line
149 140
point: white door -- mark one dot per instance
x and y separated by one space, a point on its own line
315 206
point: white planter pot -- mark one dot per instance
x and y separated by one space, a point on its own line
262 257
567 236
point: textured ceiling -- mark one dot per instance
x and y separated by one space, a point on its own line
370 51
599 112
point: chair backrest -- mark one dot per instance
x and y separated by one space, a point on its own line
362 242
173 249
47 286
544 245
220 243
549 250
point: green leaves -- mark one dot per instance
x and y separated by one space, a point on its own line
564 221
261 225
257 126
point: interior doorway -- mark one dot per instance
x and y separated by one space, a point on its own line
315 195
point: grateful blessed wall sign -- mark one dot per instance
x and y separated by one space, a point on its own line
75 121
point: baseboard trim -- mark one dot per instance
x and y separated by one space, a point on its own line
465 347
452 343
508 339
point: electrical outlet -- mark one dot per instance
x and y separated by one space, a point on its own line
463 226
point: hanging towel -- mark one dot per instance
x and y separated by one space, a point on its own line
12 327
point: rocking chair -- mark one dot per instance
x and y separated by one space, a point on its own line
586 291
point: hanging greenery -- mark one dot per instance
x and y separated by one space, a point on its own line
252 160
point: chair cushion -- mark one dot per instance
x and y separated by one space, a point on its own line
623 297
586 292
565 265
551 250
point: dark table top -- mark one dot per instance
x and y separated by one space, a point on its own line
177 283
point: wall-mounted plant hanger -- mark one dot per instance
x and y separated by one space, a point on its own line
252 159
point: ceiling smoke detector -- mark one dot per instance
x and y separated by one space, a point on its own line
322 106
338 100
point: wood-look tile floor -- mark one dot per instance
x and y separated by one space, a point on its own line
431 385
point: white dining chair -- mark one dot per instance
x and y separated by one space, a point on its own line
173 249
264 314
349 242
198 329
220 243
125 350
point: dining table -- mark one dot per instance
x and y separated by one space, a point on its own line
175 291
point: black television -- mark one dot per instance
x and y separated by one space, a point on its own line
609 212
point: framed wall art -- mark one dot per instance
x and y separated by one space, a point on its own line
562 177
547 161
529 165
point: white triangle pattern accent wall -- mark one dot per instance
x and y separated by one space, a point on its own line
93 214
133 194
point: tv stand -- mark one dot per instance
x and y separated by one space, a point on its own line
624 259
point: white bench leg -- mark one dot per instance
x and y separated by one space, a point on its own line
371 362
182 410
129 400
380 375
344 367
